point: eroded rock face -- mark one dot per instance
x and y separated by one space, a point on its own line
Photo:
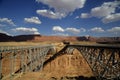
68 65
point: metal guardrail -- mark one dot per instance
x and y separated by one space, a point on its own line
17 60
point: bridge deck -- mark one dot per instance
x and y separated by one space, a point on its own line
97 45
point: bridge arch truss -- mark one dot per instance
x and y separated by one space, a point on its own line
103 60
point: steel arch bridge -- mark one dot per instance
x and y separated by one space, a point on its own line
103 60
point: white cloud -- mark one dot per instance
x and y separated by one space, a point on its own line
2 25
23 30
114 29
85 15
102 11
111 18
77 17
68 29
82 30
8 21
34 20
58 29
50 14
1 31
107 11
63 7
73 30
96 29
60 34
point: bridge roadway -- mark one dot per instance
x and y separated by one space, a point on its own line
104 60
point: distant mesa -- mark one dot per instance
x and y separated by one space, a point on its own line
25 37
5 38
32 37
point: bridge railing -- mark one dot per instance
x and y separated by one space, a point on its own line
21 59
104 60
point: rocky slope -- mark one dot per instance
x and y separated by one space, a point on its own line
5 38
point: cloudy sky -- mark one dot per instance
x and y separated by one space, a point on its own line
60 17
